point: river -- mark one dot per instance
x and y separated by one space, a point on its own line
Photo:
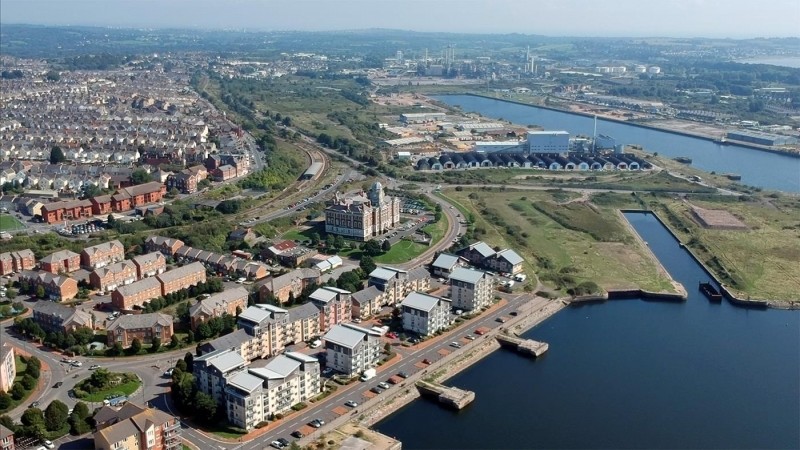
631 374
757 168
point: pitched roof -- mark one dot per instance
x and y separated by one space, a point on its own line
255 314
323 295
59 256
226 361
219 300
304 311
63 312
139 286
344 336
446 261
482 248
382 273
366 295
147 258
418 273
511 256
105 246
245 382
230 340
141 321
467 275
180 272
420 301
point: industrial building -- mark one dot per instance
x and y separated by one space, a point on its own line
548 141
761 138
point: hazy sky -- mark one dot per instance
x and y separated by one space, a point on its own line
679 18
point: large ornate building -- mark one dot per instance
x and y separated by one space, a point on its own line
362 217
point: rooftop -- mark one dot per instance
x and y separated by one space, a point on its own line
141 321
420 301
467 275
344 336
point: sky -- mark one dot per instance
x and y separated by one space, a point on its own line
668 18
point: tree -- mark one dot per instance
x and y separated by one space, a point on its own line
5 401
32 416
174 342
117 348
372 248
28 382
136 346
330 241
140 176
55 416
52 75
386 246
77 420
181 365
8 422
57 155
156 344
189 337
34 366
338 242
189 359
204 331
17 391
367 264
205 407
40 291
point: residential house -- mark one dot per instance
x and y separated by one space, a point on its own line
470 289
6 439
136 294
15 262
425 314
181 278
101 205
256 395
62 261
505 261
477 253
108 278
150 264
56 287
184 181
351 349
226 302
57 212
293 282
167 246
145 327
224 173
136 428
127 198
243 235
101 255
8 367
54 317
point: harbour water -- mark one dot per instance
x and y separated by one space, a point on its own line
631 374
758 168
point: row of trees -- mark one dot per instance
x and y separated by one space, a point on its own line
54 421
187 398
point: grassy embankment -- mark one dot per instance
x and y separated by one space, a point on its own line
761 262
565 244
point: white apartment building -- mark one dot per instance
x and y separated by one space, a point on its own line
425 314
470 289
213 369
256 395
351 349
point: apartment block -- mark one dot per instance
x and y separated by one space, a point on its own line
110 277
293 282
136 294
335 306
150 264
225 302
57 212
351 349
8 367
56 287
395 284
54 317
167 246
181 278
102 255
15 262
133 427
425 314
61 261
211 371
470 289
145 327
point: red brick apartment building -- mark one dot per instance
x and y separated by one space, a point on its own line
135 294
130 197
56 287
13 262
66 210
142 326
101 205
166 246
181 278
61 261
134 427
101 255
112 276
150 264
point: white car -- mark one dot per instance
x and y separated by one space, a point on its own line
49 444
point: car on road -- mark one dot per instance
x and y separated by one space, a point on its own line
168 373
351 404
470 337
34 405
455 345
76 364
316 423
383 385
283 442
298 434
94 367
49 444
402 375
58 385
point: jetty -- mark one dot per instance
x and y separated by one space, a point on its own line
450 396
525 346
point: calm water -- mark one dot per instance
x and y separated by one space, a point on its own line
763 169
631 374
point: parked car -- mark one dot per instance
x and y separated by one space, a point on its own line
383 385
298 434
455 345
94 367
402 375
49 444
283 442
276 444
316 423
351 404
58 385
34 405
377 390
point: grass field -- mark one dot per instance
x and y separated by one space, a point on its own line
10 223
126 388
762 262
595 245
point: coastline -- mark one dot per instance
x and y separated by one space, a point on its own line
638 124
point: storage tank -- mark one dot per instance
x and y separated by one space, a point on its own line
654 70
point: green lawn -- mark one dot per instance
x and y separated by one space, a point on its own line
127 388
225 431
402 251
10 223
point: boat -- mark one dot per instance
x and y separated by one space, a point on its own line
683 159
732 176
722 141
711 292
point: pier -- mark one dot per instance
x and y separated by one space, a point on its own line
525 346
450 396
